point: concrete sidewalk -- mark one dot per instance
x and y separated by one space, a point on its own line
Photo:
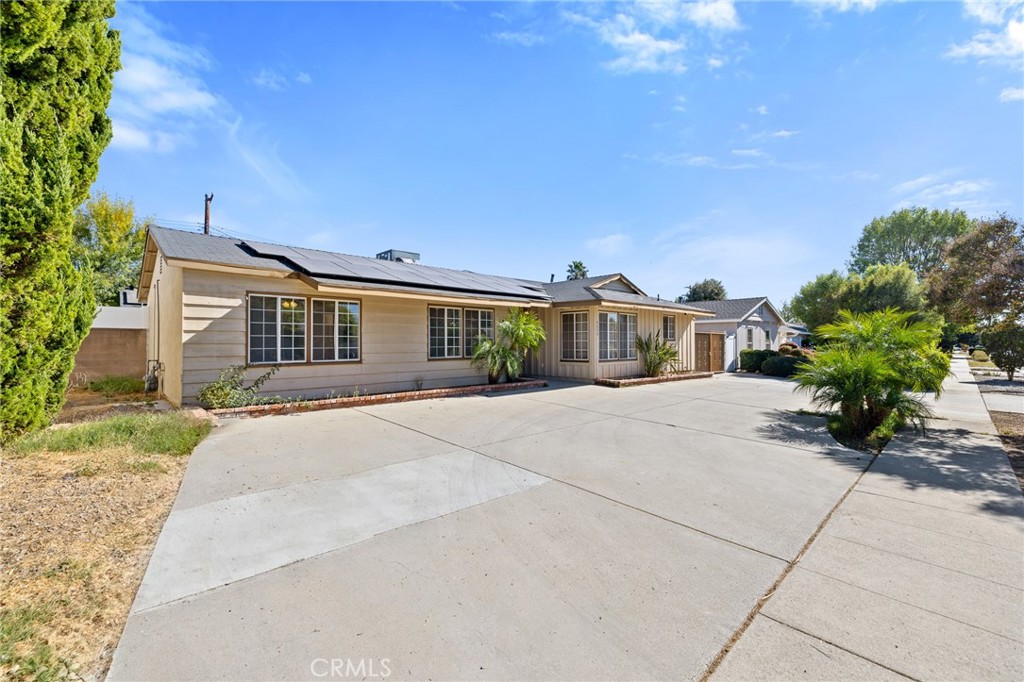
919 573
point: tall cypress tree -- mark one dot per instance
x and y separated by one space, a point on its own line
57 64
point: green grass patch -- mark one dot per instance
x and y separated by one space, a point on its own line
22 655
168 433
874 442
146 466
87 471
117 385
981 364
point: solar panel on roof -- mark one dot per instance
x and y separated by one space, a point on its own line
345 267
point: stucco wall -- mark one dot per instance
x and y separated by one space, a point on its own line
111 352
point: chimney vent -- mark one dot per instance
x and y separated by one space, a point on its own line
206 220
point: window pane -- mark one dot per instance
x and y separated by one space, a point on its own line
436 332
627 337
262 329
293 329
453 347
574 336
323 319
348 330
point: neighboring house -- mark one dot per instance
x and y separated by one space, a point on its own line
116 343
593 322
337 323
794 333
744 323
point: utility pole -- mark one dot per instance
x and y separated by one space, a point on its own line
206 221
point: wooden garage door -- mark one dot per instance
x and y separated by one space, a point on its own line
710 352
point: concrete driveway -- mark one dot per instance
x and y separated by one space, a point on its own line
578 532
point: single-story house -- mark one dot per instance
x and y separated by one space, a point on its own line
742 323
794 332
337 323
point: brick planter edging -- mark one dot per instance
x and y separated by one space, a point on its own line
373 399
640 381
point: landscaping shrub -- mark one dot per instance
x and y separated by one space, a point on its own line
870 368
117 385
655 353
751 360
787 348
980 356
1006 343
519 332
781 366
229 390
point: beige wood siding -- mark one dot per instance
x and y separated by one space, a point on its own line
393 348
165 336
548 360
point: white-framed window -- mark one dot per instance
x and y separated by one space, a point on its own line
668 327
750 337
445 331
767 339
335 330
478 323
617 336
277 329
575 336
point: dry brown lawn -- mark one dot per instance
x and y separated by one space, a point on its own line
76 532
1011 431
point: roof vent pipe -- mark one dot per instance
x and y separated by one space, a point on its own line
206 220
552 277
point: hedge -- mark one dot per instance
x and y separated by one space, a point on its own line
751 360
781 366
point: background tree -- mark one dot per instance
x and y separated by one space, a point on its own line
880 287
1004 344
915 236
980 278
576 270
818 301
108 243
788 313
704 290
57 63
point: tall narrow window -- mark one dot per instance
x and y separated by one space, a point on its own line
479 323
335 326
617 336
277 329
575 336
750 337
767 339
668 327
445 333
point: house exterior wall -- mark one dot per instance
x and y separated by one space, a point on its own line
111 352
164 339
393 343
736 335
548 360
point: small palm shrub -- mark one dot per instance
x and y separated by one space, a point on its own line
655 353
871 367
505 356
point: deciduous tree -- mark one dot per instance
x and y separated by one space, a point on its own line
108 243
915 236
57 63
705 290
980 278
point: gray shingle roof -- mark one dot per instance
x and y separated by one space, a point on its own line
583 291
731 308
342 269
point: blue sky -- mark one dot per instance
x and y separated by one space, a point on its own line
670 141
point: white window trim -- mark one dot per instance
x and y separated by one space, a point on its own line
664 319
575 350
446 310
278 325
337 321
464 329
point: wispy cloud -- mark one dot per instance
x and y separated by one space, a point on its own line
715 62
269 80
161 102
782 134
303 78
610 245
861 6
761 110
1011 94
680 104
944 188
159 94
751 153
1005 45
638 51
520 38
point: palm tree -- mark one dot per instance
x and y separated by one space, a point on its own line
576 270
521 331
871 366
